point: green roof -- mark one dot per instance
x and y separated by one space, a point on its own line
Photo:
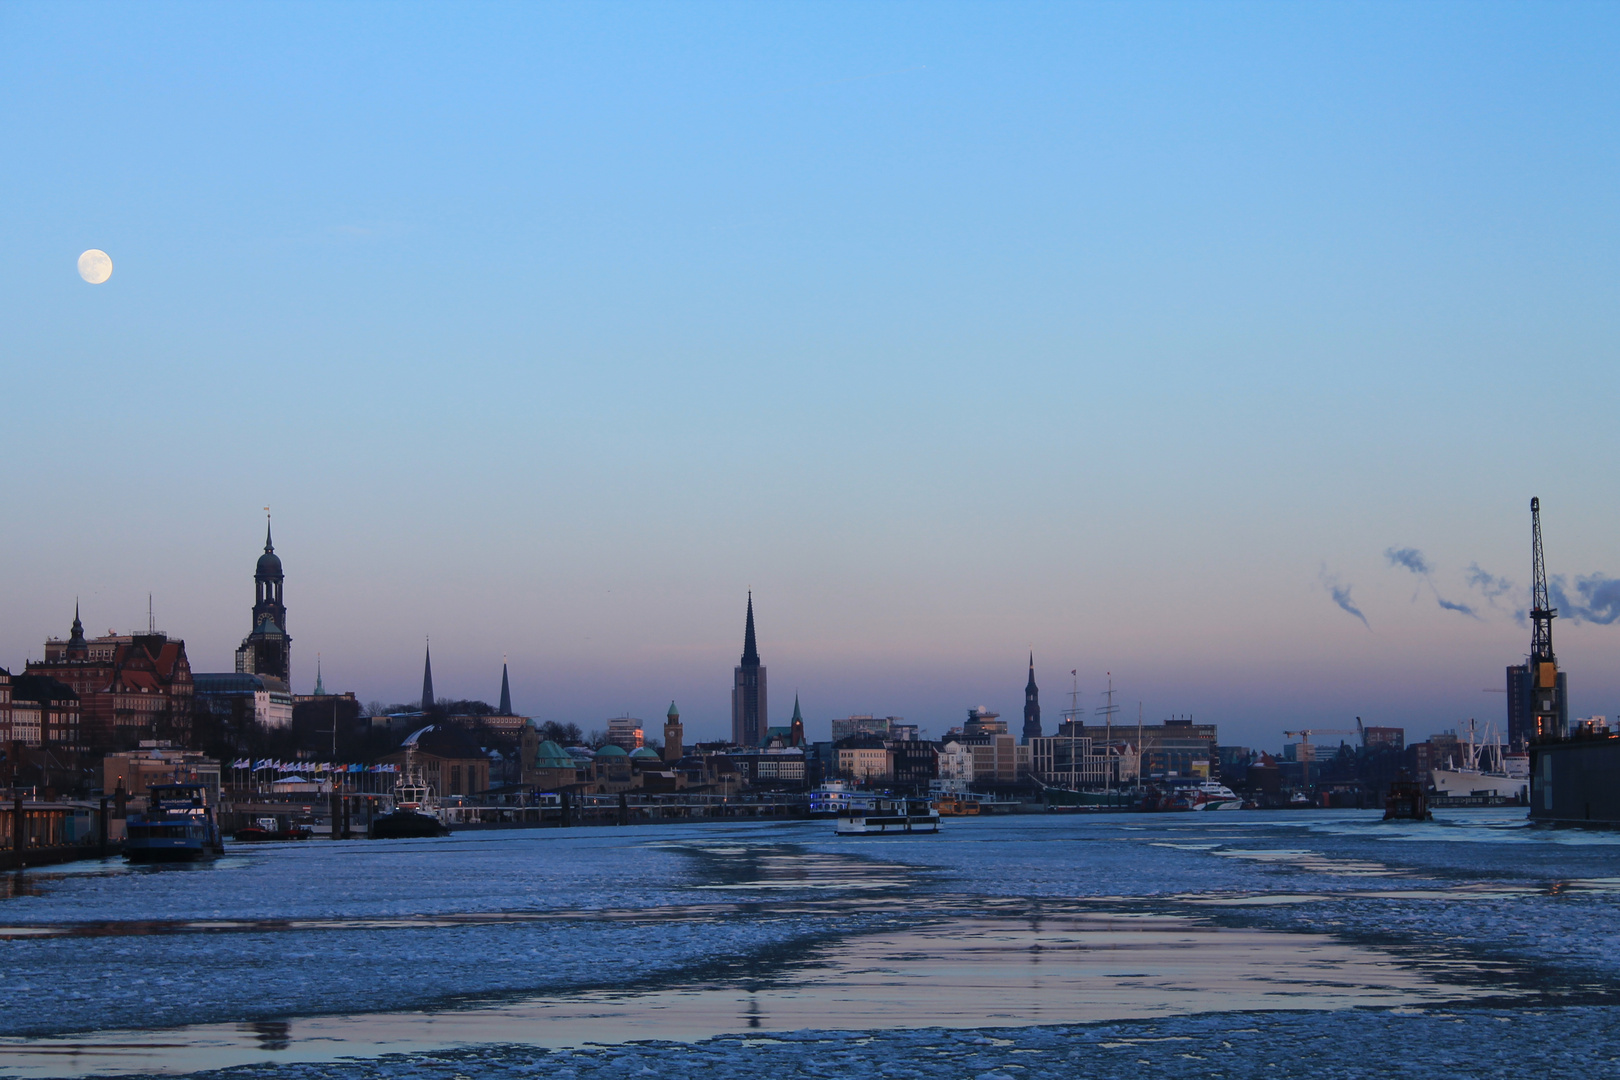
611 750
644 753
548 755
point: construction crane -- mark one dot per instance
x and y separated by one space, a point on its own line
1305 746
1544 693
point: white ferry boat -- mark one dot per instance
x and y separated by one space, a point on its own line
836 796
1214 795
888 817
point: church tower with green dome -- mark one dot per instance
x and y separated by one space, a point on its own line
267 651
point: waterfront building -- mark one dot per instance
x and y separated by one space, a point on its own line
157 761
129 686
1392 738
1166 750
625 732
451 762
267 650
674 734
776 766
1069 762
865 759
749 713
955 765
863 724
238 697
982 723
44 712
1032 705
913 762
543 765
1523 703
5 705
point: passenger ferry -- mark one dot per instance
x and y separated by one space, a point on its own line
836 796
178 825
1214 795
888 817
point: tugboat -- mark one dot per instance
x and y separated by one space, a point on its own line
1406 802
414 804
887 817
177 826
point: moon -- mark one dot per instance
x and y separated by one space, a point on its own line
95 266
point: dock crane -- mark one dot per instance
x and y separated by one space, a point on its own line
1305 743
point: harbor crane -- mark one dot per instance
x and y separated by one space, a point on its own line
1305 746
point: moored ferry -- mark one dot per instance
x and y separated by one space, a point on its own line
836 796
177 825
1214 795
888 817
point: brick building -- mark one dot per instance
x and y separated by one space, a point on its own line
129 686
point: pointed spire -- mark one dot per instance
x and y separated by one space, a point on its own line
506 691
320 688
1031 684
674 713
797 719
750 654
268 546
427 677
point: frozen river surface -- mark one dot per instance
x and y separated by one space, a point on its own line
1211 945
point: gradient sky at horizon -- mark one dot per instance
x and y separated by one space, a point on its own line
1126 333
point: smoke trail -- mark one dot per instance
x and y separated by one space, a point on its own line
1341 595
1599 598
1412 559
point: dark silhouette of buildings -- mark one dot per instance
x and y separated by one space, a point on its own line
267 651
1032 705
749 716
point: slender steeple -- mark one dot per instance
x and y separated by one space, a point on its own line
269 547
749 716
1032 705
77 647
750 650
320 688
796 728
427 677
506 691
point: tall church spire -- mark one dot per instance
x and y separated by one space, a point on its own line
268 546
1032 704
506 691
427 677
320 688
749 716
750 650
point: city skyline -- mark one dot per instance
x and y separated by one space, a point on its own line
936 717
1180 343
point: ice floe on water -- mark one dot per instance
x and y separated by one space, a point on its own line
704 938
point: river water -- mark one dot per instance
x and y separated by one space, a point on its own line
1211 945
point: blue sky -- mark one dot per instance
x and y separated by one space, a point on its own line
1128 333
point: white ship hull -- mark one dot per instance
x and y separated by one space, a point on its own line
1470 782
